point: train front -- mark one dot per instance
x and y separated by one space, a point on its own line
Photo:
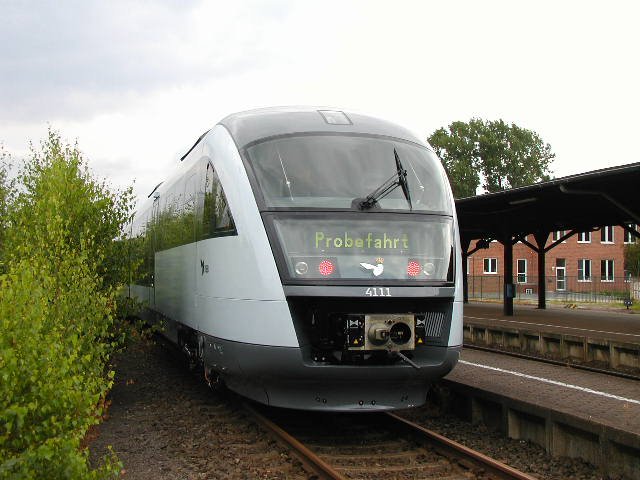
361 221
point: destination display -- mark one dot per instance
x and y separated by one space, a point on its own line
415 250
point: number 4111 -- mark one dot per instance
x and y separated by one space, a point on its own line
378 292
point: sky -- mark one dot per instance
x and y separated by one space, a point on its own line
135 83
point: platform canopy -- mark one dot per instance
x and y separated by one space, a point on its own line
610 196
572 204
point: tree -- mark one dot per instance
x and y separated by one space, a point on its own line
632 259
504 156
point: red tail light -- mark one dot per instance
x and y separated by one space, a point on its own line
326 268
413 268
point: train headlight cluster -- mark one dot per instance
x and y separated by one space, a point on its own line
415 268
315 267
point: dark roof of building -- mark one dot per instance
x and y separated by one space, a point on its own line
609 196
253 125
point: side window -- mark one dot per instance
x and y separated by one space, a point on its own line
217 220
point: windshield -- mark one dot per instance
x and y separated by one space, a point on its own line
331 171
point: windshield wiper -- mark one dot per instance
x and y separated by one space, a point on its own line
397 180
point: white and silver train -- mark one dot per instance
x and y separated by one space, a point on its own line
308 259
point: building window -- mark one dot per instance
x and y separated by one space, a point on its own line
628 237
584 270
561 278
469 265
606 270
522 270
557 235
491 265
606 234
584 237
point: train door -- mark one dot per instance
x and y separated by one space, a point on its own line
203 184
214 221
191 211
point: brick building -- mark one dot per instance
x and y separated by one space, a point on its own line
589 264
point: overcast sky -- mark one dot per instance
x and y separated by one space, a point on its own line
137 82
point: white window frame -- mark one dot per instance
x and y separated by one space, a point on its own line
628 238
606 275
607 232
523 273
584 235
582 262
557 235
492 260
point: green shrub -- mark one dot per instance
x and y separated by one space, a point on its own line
56 186
58 301
5 199
53 328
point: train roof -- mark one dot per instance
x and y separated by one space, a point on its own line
253 125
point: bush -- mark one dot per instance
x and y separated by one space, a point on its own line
56 188
58 300
5 200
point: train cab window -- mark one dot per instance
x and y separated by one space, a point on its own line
217 220
331 171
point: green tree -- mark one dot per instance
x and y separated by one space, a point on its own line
503 156
632 259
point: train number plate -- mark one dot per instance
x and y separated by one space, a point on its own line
378 292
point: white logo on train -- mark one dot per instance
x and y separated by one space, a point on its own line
375 269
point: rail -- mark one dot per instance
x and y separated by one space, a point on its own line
459 455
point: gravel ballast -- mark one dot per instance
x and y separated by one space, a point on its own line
165 423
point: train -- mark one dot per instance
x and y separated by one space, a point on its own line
306 258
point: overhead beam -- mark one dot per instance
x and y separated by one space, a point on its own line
633 215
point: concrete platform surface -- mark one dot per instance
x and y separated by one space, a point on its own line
568 412
606 399
621 326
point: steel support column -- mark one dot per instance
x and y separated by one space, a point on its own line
465 243
509 292
541 240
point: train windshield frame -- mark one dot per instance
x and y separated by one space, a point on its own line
333 171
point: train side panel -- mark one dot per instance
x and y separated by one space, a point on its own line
241 297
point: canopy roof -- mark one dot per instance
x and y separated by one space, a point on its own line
609 196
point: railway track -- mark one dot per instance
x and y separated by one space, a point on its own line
577 366
376 445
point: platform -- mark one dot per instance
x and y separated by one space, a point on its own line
621 325
569 412
602 339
